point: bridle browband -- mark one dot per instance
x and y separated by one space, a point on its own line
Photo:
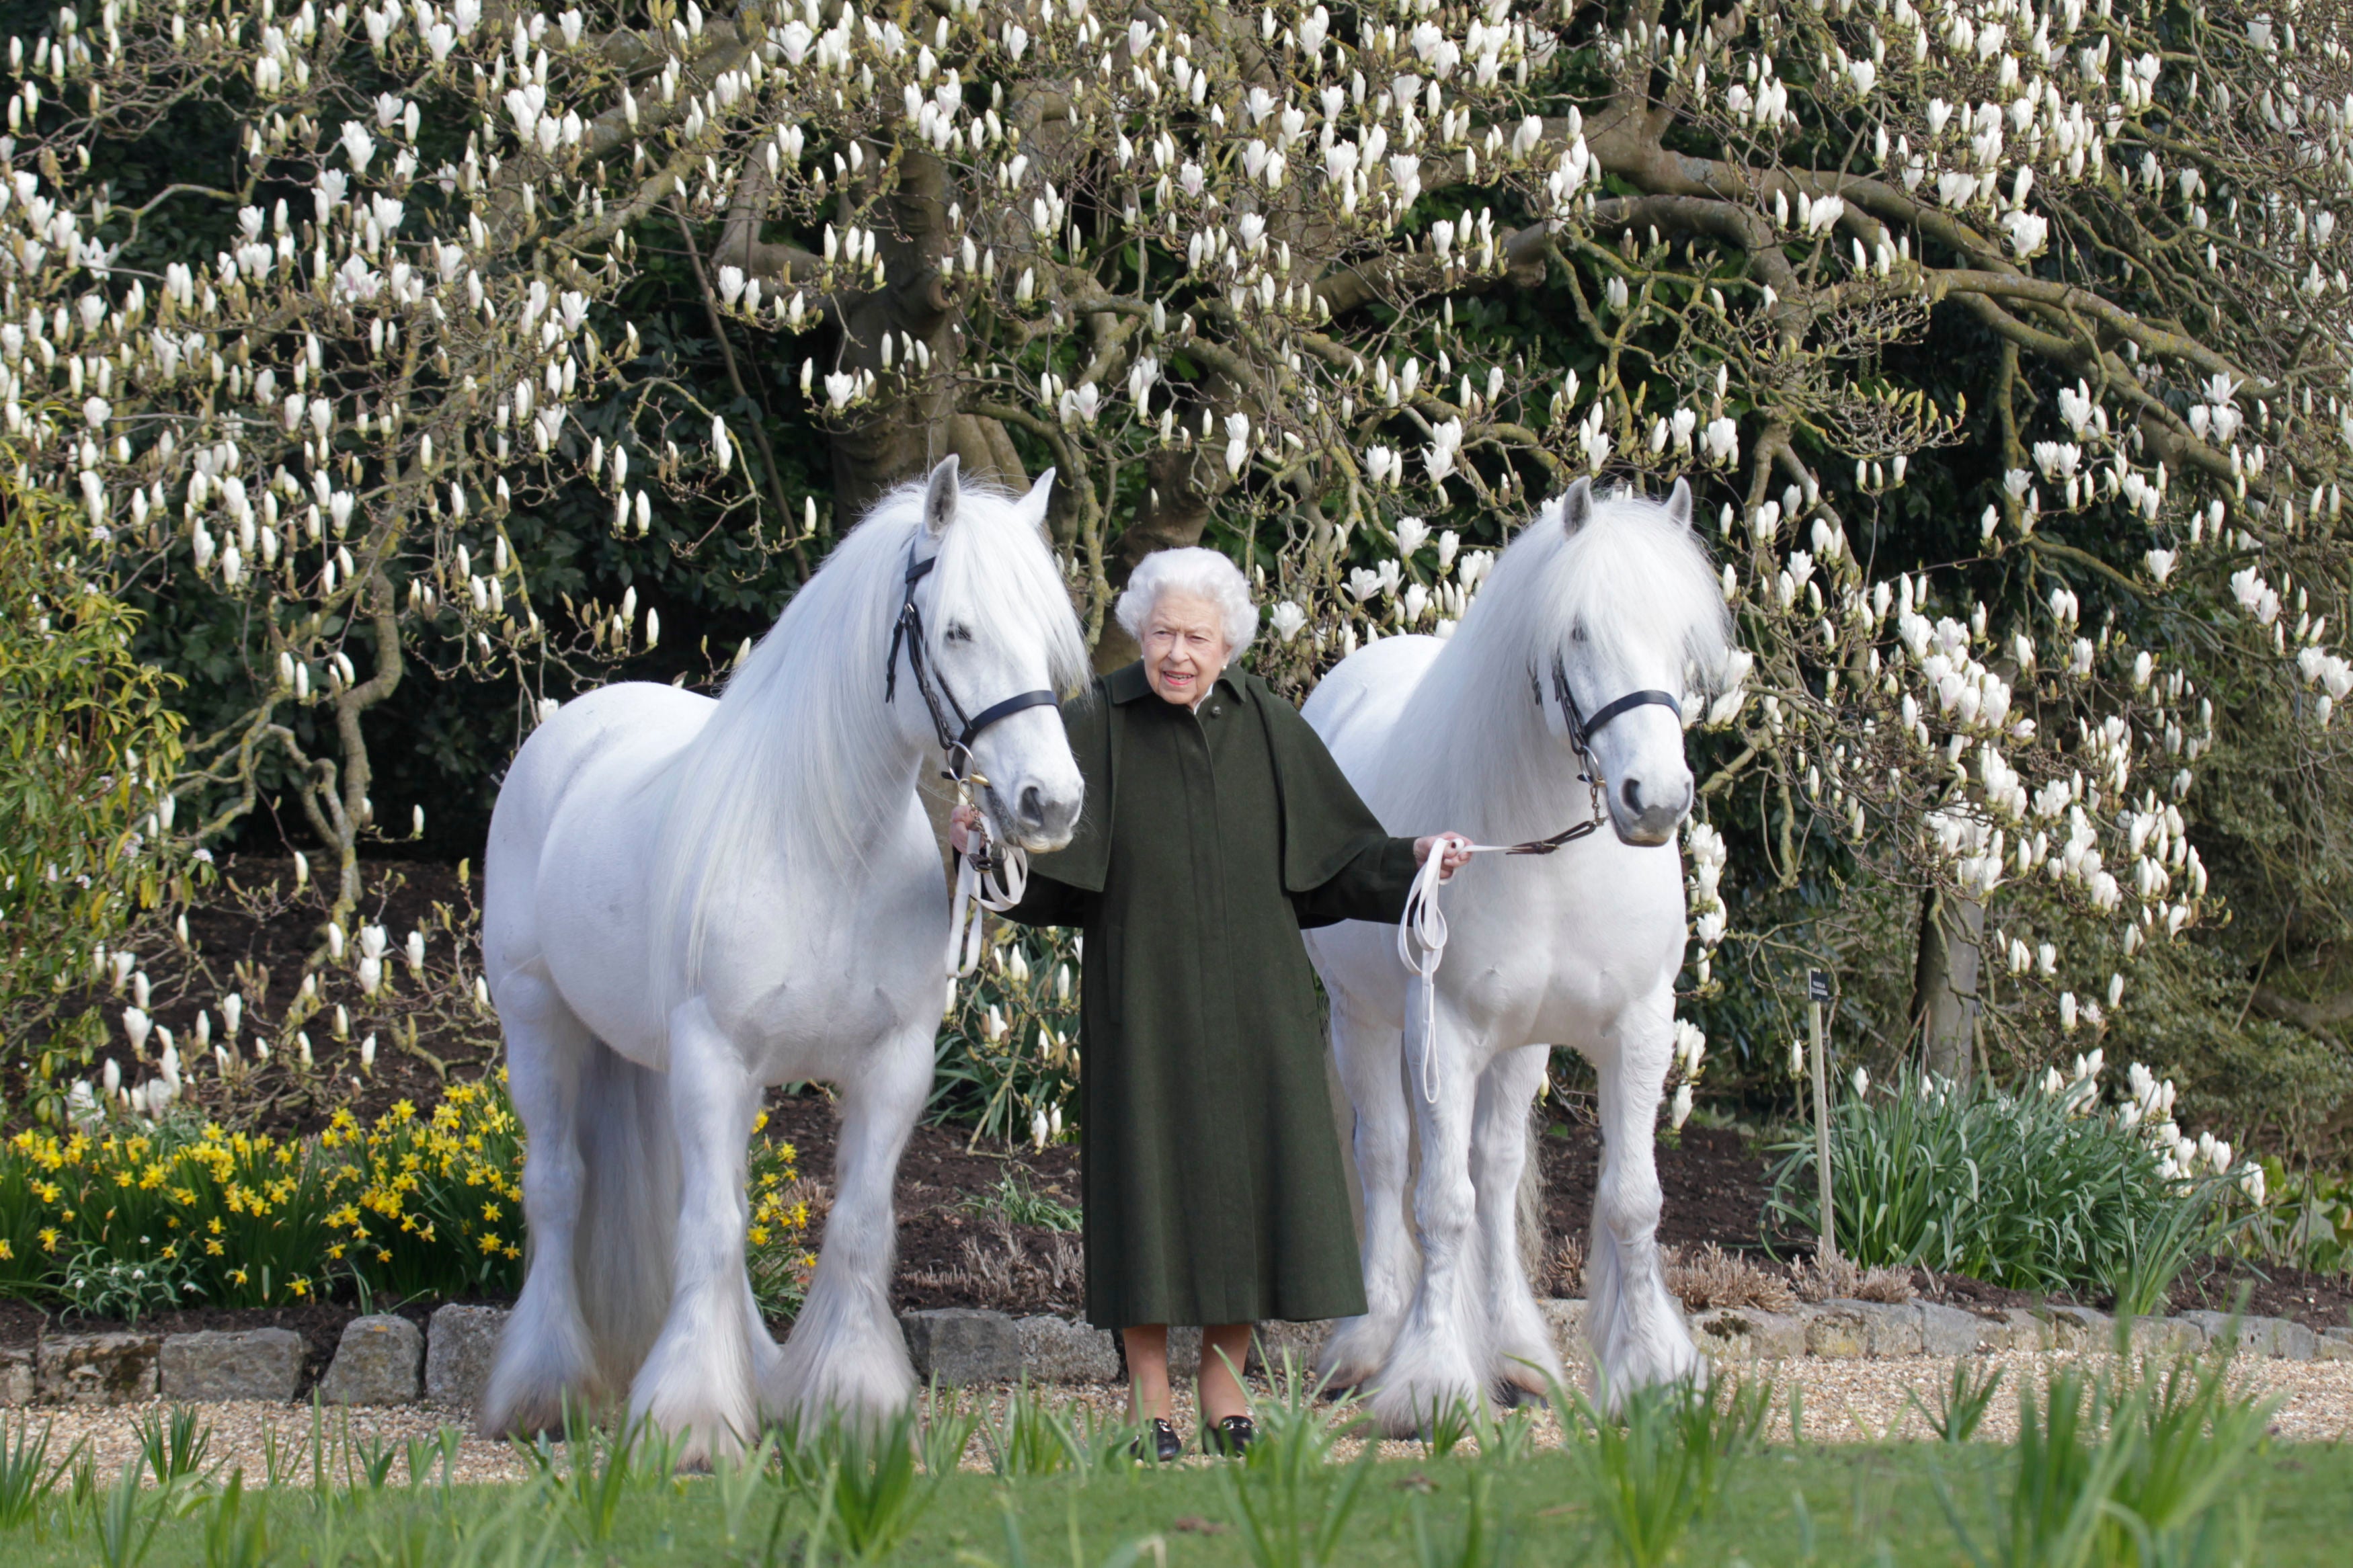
956 728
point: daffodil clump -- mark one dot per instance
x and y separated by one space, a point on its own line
777 1241
415 1204
430 1205
236 1219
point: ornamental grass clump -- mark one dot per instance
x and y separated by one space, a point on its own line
2045 1189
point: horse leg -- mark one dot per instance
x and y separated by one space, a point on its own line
1434 1361
1368 1055
1524 1357
545 1355
697 1381
1635 1326
846 1351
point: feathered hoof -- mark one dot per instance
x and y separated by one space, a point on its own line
862 1380
1658 1366
698 1432
526 1416
1421 1384
1529 1373
1518 1385
1412 1409
525 1401
1353 1353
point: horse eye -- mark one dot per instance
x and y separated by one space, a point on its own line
956 632
1576 633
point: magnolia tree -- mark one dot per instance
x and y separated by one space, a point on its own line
1215 263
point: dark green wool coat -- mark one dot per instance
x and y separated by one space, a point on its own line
1212 1177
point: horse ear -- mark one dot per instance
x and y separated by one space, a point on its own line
1577 506
1033 504
1679 502
940 497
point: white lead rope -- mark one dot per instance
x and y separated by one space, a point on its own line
1423 927
1423 924
976 890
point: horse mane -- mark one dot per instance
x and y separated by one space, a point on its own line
1633 577
802 761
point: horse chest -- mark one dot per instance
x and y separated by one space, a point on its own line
1553 958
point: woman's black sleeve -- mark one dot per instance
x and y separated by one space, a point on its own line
1047 902
1371 885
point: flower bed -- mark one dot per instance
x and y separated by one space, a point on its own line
2044 1189
122 1218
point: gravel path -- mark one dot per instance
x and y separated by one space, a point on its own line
1843 1401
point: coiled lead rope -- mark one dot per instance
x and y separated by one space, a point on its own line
992 880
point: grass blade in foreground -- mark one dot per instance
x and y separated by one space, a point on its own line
2123 1468
1665 1459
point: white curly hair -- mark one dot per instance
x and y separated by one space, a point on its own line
1204 574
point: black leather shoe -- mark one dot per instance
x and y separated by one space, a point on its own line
1232 1436
1166 1447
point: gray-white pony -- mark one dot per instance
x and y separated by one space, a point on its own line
687 901
1575 658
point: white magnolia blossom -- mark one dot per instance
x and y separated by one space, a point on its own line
334 415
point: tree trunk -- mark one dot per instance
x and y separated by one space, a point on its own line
1944 984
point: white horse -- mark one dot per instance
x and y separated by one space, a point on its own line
1601 607
688 900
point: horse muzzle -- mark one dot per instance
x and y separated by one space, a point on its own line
1646 816
1038 818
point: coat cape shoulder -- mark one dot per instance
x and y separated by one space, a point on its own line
1324 822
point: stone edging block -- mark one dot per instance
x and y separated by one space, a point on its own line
963 1346
380 1360
96 1369
460 1343
1064 1349
251 1364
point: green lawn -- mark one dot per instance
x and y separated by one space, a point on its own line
1779 1505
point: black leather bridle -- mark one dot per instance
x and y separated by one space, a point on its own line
1581 731
956 728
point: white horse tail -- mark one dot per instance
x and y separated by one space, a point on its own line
1529 1201
629 1210
603 1167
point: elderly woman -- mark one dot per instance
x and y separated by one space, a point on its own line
1215 826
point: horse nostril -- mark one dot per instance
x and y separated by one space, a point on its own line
1631 794
1033 806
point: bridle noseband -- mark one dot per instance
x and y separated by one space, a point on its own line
956 729
988 876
